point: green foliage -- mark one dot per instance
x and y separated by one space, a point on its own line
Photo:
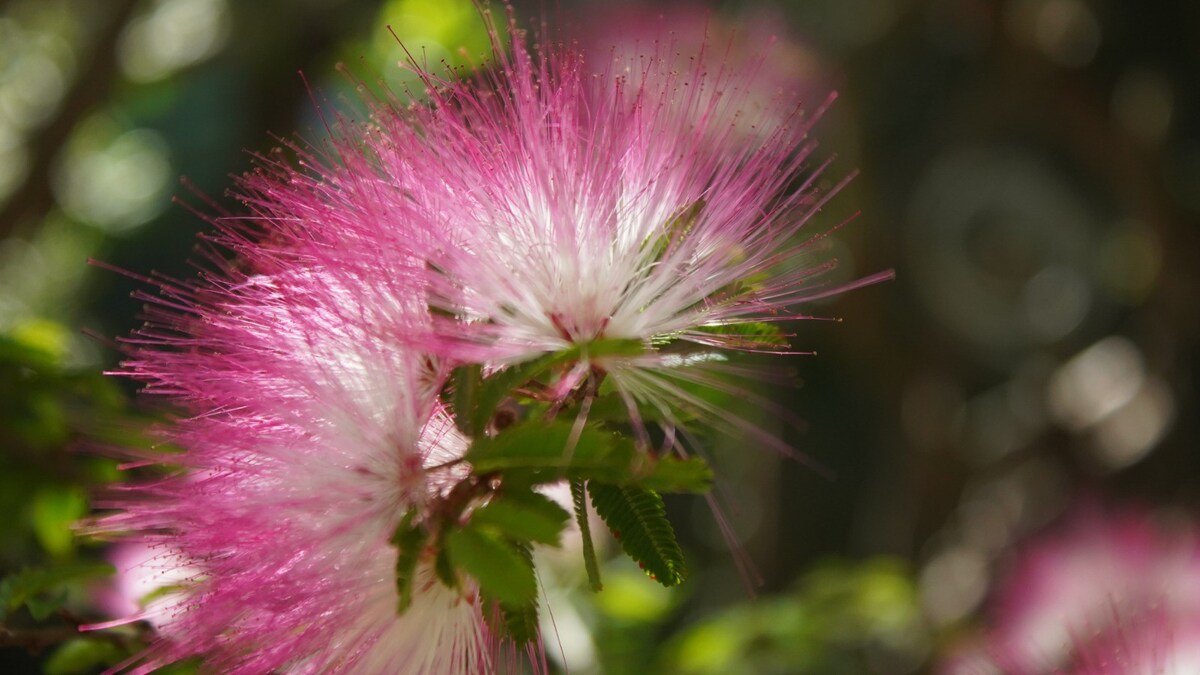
503 570
842 618
638 520
42 590
476 398
523 515
674 231
45 407
53 511
443 567
671 474
749 335
467 381
486 526
82 655
579 499
409 540
519 622
478 408
627 598
540 452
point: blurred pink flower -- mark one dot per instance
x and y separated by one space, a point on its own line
1155 642
1105 592
738 38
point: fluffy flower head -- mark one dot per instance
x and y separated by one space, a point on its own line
546 206
562 200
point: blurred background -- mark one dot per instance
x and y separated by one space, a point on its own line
1030 169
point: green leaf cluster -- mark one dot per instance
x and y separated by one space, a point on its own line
485 527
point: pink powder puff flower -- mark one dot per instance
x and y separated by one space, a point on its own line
574 200
537 208
313 430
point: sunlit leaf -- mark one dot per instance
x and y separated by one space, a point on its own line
748 335
638 520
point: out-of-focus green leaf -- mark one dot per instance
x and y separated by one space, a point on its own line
628 598
40 588
671 474
53 510
842 618
82 655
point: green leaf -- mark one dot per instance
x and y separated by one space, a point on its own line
537 452
524 515
82 655
494 390
638 520
500 386
467 381
748 335
671 474
674 231
498 565
42 589
604 348
409 540
611 406
579 498
444 569
520 623
188 667
53 511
